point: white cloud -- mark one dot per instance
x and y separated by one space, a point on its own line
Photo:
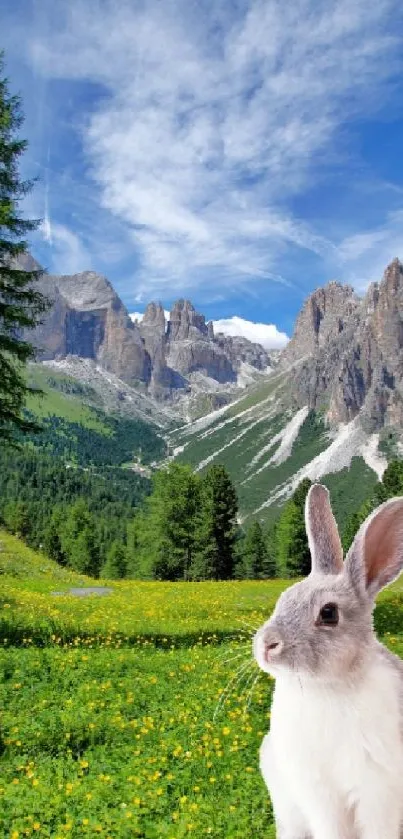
265 334
214 116
139 316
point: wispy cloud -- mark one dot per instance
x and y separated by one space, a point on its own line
212 118
181 142
368 253
68 254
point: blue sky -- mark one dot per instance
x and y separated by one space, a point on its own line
237 152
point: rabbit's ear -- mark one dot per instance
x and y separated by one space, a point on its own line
323 535
375 558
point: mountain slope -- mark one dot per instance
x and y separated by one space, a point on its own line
325 411
269 448
76 425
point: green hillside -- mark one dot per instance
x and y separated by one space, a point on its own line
75 486
75 427
268 446
64 397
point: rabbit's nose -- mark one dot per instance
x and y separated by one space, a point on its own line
273 645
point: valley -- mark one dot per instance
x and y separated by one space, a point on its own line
316 410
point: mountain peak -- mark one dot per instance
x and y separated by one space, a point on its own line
154 315
396 262
322 317
394 272
185 322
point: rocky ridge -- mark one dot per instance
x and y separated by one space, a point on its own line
166 360
346 354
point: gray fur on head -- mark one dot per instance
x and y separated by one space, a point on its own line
296 638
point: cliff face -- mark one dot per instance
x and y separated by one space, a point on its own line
191 347
348 353
371 370
241 351
328 315
88 320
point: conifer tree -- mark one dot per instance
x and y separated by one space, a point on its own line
292 549
217 526
255 553
115 565
392 482
21 304
163 543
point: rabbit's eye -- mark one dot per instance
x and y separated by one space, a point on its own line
329 615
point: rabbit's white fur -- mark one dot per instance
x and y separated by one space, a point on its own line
333 761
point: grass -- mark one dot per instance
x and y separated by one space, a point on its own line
108 723
76 428
258 393
310 442
114 720
54 402
349 488
237 453
234 439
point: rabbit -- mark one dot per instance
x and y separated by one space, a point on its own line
333 760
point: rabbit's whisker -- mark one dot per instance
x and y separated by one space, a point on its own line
234 651
250 626
247 683
236 678
233 658
249 697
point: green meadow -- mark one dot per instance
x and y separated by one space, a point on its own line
136 713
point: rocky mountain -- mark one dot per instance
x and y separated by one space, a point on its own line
347 353
87 319
167 360
331 409
241 351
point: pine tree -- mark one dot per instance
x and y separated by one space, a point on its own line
78 540
354 523
255 556
16 519
52 537
139 559
21 305
217 526
392 481
390 486
165 533
83 556
115 565
270 567
292 550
